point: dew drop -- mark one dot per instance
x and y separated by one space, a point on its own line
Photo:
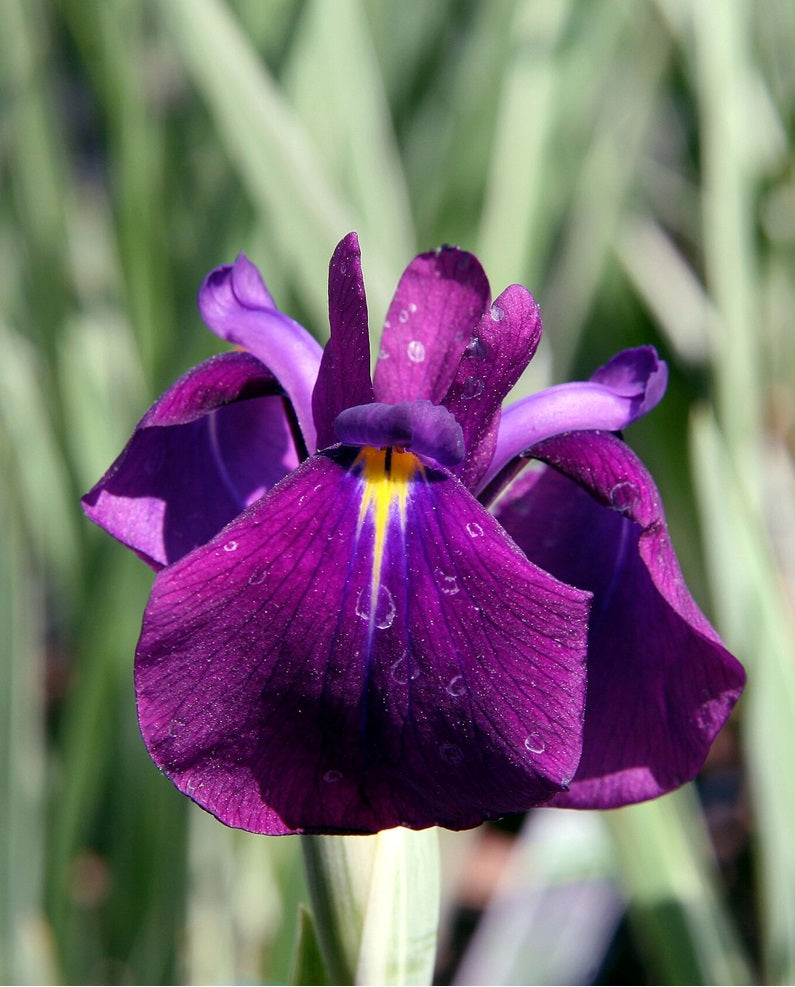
456 686
332 775
472 387
624 497
403 316
231 546
416 351
387 324
382 354
474 530
535 744
451 753
497 313
257 577
448 585
385 609
412 308
404 670
477 349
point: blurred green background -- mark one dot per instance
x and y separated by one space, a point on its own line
630 162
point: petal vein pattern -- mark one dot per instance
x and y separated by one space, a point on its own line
363 647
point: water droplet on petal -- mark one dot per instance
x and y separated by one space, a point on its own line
404 670
472 387
535 744
382 354
456 686
474 530
477 348
332 775
387 324
451 753
385 609
448 584
231 546
412 308
497 313
256 577
403 316
624 497
416 351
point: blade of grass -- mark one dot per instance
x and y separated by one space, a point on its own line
756 619
265 141
512 227
334 82
26 953
675 893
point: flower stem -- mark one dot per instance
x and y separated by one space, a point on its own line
375 901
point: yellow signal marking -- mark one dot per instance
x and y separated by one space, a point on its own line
387 474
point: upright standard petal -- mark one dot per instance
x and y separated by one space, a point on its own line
343 380
660 683
504 342
215 441
362 648
236 305
620 392
438 302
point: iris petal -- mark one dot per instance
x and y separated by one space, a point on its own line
503 344
419 426
362 648
620 392
438 302
216 440
236 305
660 683
344 376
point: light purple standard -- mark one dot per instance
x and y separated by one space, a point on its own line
366 612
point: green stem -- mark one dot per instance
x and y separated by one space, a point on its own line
375 901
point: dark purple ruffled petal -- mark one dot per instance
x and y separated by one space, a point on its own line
438 302
215 441
620 392
660 683
429 430
504 343
344 376
362 649
236 305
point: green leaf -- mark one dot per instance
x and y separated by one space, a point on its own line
309 967
755 618
265 141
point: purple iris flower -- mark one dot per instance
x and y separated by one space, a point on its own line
367 612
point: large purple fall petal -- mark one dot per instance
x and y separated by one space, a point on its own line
211 444
619 393
503 344
236 305
362 648
438 302
344 376
660 683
